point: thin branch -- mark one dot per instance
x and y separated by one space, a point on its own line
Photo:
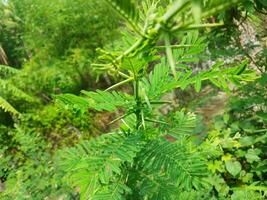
160 102
178 46
206 14
120 83
208 25
175 8
170 55
121 117
156 121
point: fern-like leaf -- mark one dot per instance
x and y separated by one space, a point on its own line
9 88
182 125
127 9
99 100
193 45
152 185
73 101
158 81
6 70
219 76
115 191
7 107
185 168
95 166
109 101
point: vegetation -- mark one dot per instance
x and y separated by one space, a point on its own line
140 128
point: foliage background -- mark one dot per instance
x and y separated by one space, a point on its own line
53 44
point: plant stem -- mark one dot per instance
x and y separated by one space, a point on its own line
215 10
175 46
138 104
120 83
175 8
170 55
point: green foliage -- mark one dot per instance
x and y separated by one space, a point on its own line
61 46
151 158
109 101
7 89
180 125
158 81
52 43
45 81
27 152
126 9
11 51
5 70
7 107
49 28
237 145
34 177
184 168
95 166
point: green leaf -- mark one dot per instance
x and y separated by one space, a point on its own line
198 84
253 155
73 101
196 45
109 101
115 191
196 10
7 107
233 167
133 64
247 140
128 10
183 167
6 70
158 81
95 166
263 79
11 89
182 124
262 115
263 2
